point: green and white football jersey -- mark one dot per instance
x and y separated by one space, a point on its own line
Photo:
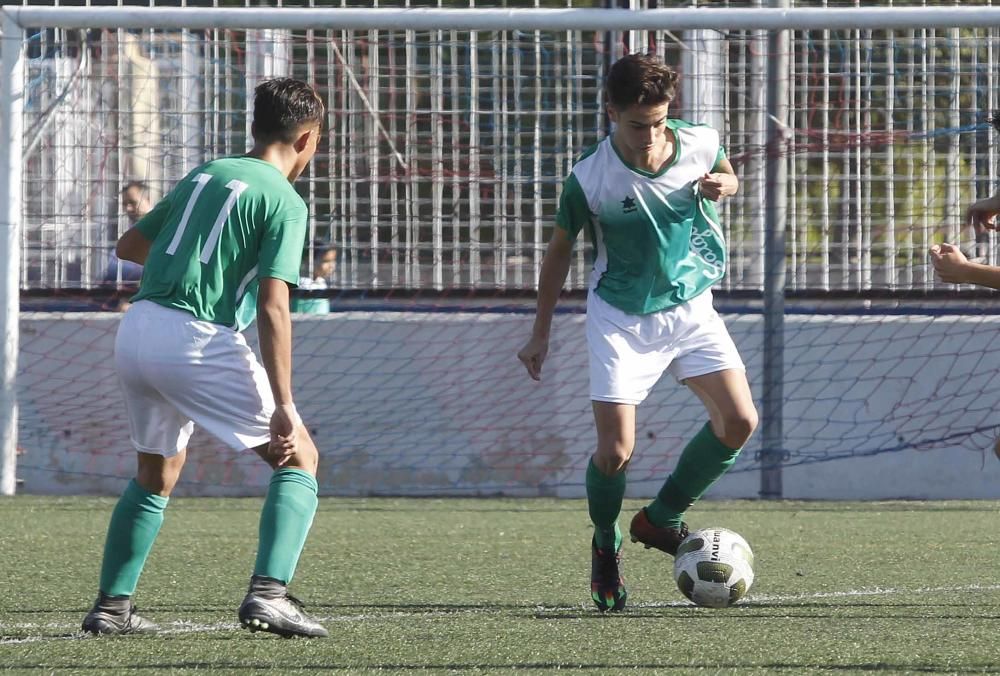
657 241
228 223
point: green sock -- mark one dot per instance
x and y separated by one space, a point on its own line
284 523
604 500
702 462
135 522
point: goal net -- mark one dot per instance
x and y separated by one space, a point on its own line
436 184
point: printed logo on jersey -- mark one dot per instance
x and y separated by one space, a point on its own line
628 205
707 240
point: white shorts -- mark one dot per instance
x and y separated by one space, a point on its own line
176 371
629 353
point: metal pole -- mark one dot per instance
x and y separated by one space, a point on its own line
775 201
11 107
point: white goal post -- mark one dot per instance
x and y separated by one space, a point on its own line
483 19
15 20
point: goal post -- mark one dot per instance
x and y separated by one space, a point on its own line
450 130
495 19
11 126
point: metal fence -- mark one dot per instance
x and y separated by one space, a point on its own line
445 149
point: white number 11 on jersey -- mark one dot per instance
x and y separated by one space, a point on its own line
235 188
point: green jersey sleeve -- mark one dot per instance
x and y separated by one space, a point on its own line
574 211
151 224
719 156
281 247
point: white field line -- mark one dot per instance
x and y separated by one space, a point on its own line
184 627
873 591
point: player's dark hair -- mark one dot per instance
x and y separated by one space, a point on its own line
640 79
141 186
319 248
282 106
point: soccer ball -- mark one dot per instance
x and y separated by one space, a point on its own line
714 567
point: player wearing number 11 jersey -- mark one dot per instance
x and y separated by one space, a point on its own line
224 245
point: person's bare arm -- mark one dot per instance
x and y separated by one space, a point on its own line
133 246
555 267
984 275
982 214
952 266
721 182
274 328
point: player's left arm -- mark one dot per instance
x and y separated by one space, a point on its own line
720 182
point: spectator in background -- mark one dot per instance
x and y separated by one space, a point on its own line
136 203
320 276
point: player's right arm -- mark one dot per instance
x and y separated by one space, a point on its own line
573 214
555 268
278 264
135 244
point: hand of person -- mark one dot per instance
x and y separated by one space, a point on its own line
717 186
949 263
285 422
982 215
533 354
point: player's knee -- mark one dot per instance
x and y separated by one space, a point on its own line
738 427
156 482
157 474
613 460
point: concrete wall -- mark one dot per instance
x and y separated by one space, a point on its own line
436 403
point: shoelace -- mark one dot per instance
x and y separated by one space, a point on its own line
295 601
132 612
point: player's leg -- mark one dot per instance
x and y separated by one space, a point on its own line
605 482
285 521
606 472
135 523
708 362
288 512
622 371
159 433
712 451
229 396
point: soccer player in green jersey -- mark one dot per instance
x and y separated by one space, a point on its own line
224 245
646 196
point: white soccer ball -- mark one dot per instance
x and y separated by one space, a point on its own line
714 567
